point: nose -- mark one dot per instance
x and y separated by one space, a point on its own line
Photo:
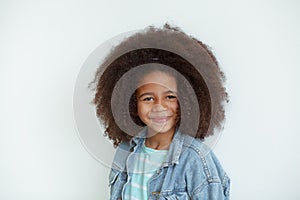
158 107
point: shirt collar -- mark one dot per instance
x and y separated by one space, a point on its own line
179 142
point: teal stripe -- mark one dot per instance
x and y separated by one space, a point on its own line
149 160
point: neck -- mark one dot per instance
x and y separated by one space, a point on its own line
160 141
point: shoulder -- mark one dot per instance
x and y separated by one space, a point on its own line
194 147
202 155
197 146
120 157
123 150
124 146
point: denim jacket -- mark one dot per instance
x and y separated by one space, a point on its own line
190 171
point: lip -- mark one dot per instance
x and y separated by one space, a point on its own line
160 119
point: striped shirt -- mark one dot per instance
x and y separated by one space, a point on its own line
148 162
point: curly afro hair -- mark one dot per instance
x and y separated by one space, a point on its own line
169 50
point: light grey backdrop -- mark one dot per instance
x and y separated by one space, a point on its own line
43 45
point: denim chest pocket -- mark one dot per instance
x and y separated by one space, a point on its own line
171 197
116 176
183 195
175 197
116 181
113 175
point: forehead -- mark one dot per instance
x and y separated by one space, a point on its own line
159 78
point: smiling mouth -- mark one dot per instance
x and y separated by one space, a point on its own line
160 119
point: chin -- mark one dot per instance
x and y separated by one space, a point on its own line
161 129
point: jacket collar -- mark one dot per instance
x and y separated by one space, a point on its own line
179 143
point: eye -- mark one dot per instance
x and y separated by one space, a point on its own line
171 97
148 99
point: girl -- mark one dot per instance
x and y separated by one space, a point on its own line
159 94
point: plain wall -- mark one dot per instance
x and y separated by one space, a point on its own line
44 44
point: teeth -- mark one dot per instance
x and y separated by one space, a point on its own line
160 119
158 116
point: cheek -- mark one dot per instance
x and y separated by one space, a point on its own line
142 111
174 107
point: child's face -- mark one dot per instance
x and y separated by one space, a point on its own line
157 102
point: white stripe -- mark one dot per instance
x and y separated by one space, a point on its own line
136 185
148 175
156 164
131 197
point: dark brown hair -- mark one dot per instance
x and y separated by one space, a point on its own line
170 47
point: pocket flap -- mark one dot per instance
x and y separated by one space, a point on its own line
113 176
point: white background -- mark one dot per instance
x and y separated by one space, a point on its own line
43 45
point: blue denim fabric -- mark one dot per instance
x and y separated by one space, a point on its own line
191 171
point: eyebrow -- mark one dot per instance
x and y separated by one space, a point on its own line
151 93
